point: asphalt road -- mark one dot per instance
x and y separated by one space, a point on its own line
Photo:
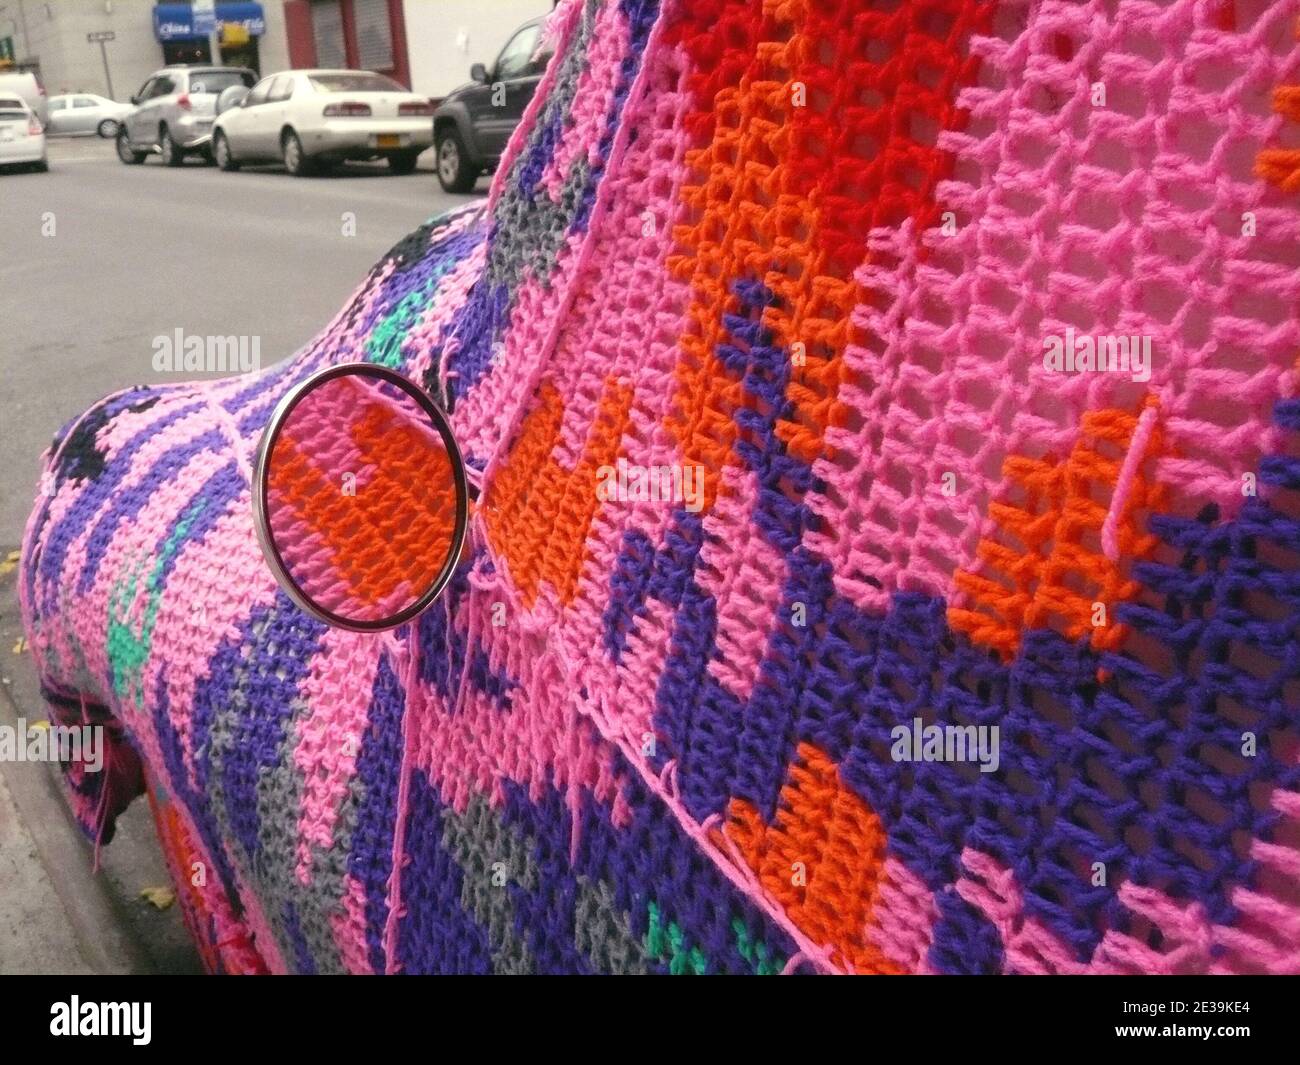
138 252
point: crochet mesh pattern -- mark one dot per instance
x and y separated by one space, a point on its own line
814 249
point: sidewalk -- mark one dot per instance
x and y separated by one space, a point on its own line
56 914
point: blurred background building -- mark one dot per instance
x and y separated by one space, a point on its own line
427 45
50 37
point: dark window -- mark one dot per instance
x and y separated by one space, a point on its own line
260 93
358 82
516 57
538 65
327 33
281 89
374 34
217 81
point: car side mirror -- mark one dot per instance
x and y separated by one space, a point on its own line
479 73
135 99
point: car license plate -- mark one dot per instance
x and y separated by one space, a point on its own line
388 140
6 134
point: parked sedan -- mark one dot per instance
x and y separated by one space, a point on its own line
22 139
84 112
313 118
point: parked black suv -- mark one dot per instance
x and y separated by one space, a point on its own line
473 124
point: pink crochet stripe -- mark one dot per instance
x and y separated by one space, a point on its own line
592 347
739 591
559 29
241 582
471 751
549 327
956 384
328 738
592 98
1188 939
350 927
430 332
905 915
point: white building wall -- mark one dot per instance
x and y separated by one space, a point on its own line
273 48
445 37
57 32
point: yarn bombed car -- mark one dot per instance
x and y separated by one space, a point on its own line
967 661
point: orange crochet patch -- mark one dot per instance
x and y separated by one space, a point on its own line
537 512
806 153
821 858
1281 166
1048 564
380 539
224 943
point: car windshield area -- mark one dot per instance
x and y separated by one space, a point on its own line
359 82
10 109
217 81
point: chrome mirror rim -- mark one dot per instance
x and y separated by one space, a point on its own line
261 519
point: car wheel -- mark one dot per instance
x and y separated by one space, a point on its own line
296 160
42 167
107 129
171 155
221 152
455 172
125 152
403 162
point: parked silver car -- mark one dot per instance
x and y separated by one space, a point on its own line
174 110
84 112
311 118
22 139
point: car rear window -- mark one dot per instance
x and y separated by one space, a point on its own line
217 81
359 82
8 103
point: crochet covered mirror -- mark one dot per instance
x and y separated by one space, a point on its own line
361 501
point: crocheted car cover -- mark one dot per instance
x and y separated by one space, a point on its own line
787 350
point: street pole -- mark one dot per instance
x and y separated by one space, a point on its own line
214 47
103 54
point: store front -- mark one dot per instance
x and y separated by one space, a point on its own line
354 34
240 25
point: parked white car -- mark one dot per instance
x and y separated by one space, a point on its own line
313 118
26 84
84 112
22 138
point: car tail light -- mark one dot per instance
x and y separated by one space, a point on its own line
33 127
347 110
183 101
423 108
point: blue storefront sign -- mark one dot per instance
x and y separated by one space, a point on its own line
180 22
